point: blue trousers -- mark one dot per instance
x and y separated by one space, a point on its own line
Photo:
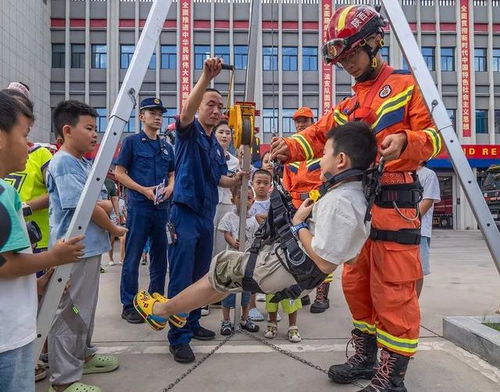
16 370
189 260
143 223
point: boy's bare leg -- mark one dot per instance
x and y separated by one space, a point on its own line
292 319
244 312
193 297
225 313
273 317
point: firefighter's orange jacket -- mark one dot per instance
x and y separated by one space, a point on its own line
399 107
301 177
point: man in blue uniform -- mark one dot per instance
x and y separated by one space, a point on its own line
145 167
200 167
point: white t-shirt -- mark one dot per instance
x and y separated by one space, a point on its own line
338 223
430 183
233 165
18 296
260 207
231 223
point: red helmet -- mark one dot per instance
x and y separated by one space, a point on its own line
348 29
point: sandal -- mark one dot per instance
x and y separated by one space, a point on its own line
294 335
249 325
40 372
177 320
100 363
272 331
79 387
144 302
226 328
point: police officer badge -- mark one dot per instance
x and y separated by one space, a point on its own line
156 101
386 90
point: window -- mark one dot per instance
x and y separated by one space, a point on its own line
405 65
99 59
447 59
168 58
130 127
126 53
496 60
169 116
288 125
497 121
201 53
289 58
152 62
77 56
57 55
222 51
429 57
384 52
241 56
270 121
102 119
270 58
310 58
481 121
452 113
480 60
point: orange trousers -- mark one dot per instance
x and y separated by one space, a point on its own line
380 285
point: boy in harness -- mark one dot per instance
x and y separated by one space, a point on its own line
290 256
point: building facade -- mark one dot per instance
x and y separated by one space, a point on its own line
25 55
93 42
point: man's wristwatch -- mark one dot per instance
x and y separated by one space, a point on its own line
27 211
296 228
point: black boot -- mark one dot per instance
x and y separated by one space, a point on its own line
321 303
361 364
390 373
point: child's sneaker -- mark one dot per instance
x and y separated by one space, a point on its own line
205 311
294 335
226 328
249 325
255 315
272 331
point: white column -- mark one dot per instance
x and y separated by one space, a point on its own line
437 15
280 68
67 49
87 51
491 81
299 56
212 33
419 24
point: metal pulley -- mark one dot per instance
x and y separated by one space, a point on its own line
242 122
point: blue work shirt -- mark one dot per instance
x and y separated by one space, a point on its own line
199 164
148 162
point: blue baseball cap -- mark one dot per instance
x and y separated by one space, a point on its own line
152 103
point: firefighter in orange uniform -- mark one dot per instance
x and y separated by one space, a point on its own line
379 285
298 179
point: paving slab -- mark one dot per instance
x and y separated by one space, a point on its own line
464 281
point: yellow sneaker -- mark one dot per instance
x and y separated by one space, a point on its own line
177 320
143 303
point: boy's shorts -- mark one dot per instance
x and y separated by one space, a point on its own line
228 269
287 305
230 300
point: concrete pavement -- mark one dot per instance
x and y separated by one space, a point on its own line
464 281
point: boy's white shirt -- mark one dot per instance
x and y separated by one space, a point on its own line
337 223
231 222
19 304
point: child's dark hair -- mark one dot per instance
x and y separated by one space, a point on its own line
356 140
10 110
68 113
236 191
262 171
20 97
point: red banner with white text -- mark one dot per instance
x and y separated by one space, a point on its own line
184 54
